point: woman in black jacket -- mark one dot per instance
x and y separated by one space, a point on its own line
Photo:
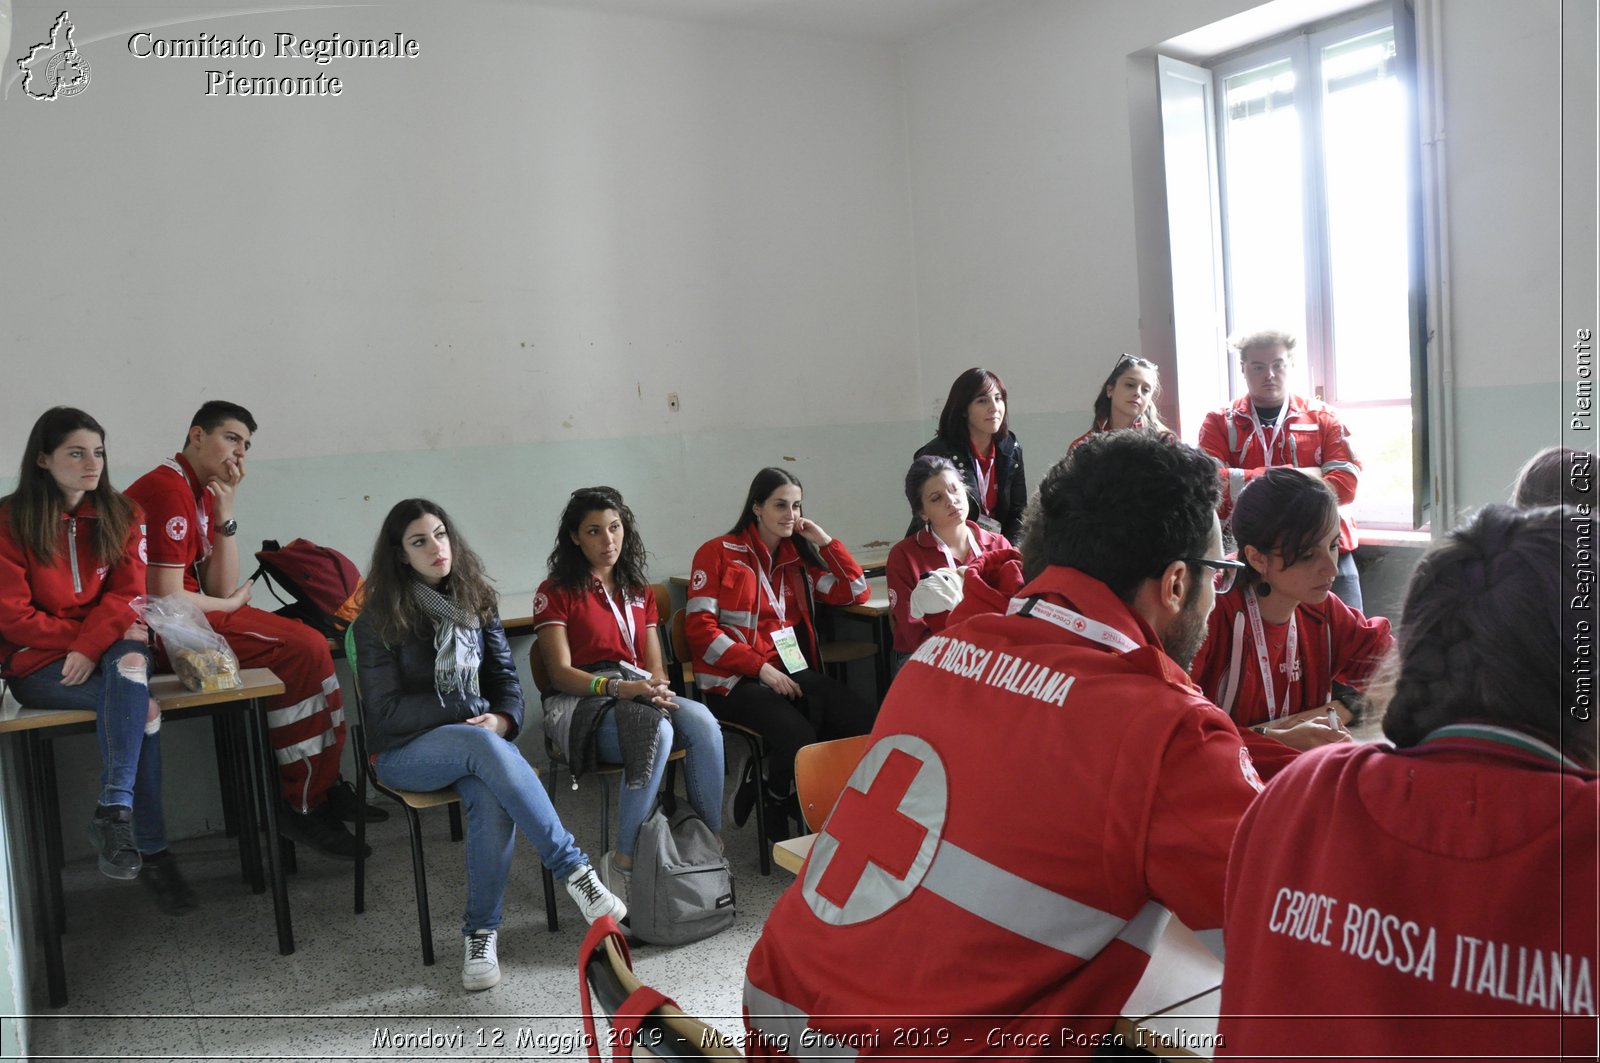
975 434
442 706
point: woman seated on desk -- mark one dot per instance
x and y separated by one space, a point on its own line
598 635
443 705
1436 900
756 656
72 634
1128 400
1278 643
943 552
975 435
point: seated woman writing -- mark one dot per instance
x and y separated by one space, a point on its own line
750 627
598 634
1279 642
443 705
72 634
1359 918
946 541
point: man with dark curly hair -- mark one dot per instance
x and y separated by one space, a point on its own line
1042 788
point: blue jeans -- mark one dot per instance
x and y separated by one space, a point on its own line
502 795
689 727
1347 583
130 760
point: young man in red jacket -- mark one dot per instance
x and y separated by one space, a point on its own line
1044 787
188 502
1271 427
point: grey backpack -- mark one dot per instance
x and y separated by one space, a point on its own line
681 889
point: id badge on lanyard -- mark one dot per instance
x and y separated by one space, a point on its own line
1260 432
984 519
624 619
784 640
973 553
1291 658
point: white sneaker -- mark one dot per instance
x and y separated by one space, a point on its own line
615 876
481 969
592 897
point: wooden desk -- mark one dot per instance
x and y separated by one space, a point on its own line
37 728
791 855
875 611
255 755
1173 1010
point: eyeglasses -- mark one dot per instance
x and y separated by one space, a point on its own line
1226 571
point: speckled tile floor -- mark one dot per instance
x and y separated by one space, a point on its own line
211 984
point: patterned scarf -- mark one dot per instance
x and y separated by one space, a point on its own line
459 650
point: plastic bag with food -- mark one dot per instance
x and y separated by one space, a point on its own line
198 654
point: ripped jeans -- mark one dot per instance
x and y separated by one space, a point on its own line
130 761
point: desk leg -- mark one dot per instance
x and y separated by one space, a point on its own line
241 765
264 772
47 881
52 838
885 661
227 756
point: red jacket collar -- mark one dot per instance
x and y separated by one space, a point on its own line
189 474
751 537
1081 591
1241 409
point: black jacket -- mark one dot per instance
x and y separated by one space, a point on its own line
1011 496
398 695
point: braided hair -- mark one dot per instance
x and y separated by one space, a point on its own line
1483 630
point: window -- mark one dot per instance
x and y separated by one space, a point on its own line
1312 149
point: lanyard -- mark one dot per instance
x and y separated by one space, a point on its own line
973 553
1290 660
778 600
1076 623
1260 431
983 477
624 619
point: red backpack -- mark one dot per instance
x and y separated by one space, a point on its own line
325 585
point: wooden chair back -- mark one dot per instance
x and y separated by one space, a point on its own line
820 772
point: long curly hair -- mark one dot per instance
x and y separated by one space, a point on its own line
387 603
35 507
567 565
1483 632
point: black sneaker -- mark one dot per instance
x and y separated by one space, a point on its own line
744 798
321 830
164 881
345 805
111 833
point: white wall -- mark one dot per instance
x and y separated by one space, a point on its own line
524 238
1024 220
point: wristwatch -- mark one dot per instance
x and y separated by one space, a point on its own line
228 527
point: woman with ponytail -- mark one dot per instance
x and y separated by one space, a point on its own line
1442 894
1281 650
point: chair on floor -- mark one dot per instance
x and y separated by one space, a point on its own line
413 802
820 772
606 771
645 1023
678 641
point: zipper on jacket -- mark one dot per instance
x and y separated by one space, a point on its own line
72 552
